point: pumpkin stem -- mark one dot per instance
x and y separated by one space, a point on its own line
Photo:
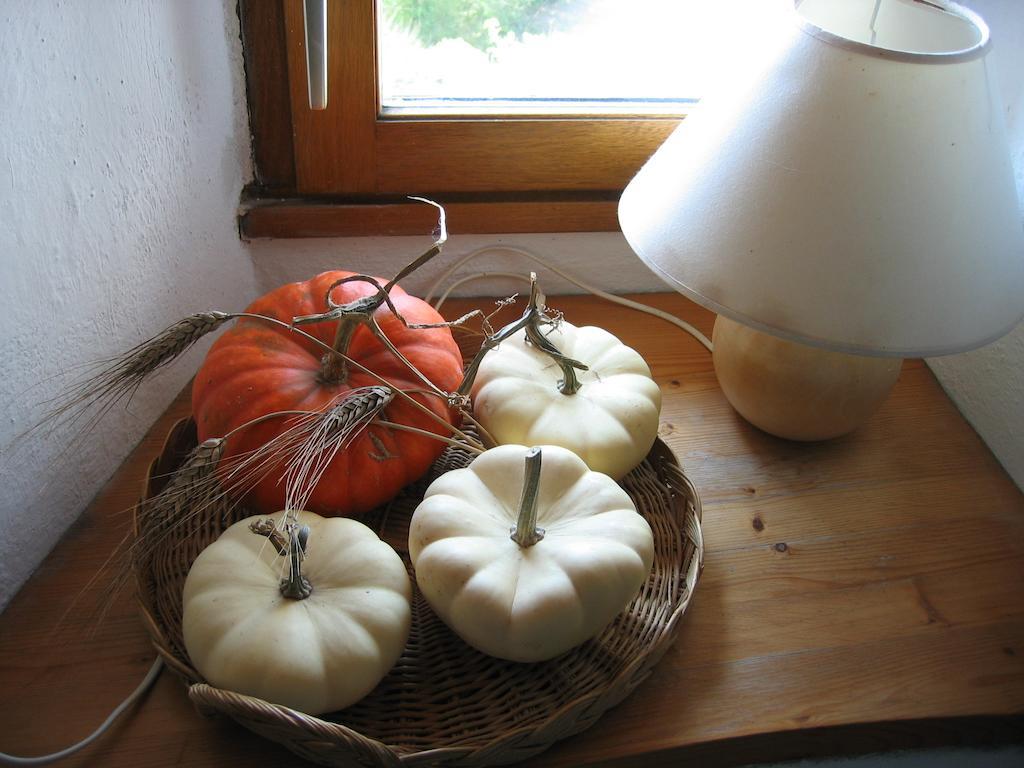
334 367
486 346
268 529
532 318
294 586
570 384
525 533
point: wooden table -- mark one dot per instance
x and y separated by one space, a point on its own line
858 595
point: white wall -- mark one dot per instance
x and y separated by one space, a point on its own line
125 146
987 384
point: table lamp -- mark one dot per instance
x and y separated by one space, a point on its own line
842 200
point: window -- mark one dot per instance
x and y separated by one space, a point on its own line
347 169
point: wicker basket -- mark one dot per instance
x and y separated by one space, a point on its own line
444 703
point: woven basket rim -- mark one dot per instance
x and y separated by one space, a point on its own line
350 746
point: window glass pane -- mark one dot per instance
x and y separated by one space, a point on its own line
553 56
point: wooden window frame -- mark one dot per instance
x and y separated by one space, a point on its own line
347 170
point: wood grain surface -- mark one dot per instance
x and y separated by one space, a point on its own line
270 115
297 218
861 594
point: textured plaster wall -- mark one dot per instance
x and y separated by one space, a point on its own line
987 384
125 146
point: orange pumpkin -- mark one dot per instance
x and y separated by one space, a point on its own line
256 368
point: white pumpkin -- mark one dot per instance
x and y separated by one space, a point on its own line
610 421
316 654
526 574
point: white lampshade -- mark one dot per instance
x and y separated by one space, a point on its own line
849 187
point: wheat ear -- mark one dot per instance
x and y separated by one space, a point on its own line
86 402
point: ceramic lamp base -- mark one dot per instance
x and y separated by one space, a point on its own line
796 391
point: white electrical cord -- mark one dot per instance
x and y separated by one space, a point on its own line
478 276
147 681
679 323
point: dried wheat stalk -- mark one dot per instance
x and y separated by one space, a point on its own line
304 449
325 435
79 410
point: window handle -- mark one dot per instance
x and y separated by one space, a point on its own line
314 14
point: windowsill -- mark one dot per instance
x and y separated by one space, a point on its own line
291 217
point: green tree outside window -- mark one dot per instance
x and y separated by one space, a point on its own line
478 22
